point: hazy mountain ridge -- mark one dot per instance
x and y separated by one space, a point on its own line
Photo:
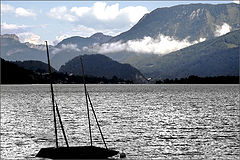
12 49
71 47
102 66
82 41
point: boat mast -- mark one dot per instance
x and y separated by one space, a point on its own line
60 121
85 89
54 116
97 121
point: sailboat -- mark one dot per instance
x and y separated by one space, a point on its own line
74 152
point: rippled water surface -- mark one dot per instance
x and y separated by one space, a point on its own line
144 121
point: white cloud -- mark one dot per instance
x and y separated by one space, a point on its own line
100 16
80 11
161 45
7 8
14 28
84 31
30 37
6 26
237 1
134 13
61 13
24 12
221 30
60 38
68 47
103 12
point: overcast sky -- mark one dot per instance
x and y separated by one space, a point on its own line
37 21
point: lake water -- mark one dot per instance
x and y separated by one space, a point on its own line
143 121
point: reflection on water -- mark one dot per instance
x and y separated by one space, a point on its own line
144 121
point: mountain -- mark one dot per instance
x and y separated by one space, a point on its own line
191 22
194 21
102 66
40 47
36 66
82 42
13 74
12 49
71 47
214 57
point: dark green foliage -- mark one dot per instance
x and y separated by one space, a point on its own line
100 65
36 66
201 80
13 74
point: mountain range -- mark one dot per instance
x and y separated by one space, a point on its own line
36 66
217 55
12 73
214 57
102 66
194 21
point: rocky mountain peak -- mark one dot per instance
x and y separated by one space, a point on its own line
99 37
12 36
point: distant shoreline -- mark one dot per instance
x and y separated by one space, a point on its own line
202 80
122 84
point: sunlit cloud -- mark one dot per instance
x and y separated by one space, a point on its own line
236 1
223 29
103 12
84 31
80 11
13 28
24 12
60 38
6 26
100 16
61 13
68 47
7 8
134 14
160 45
30 37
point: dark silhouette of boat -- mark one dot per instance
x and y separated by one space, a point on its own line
81 152
74 152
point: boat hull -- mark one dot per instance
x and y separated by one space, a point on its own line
82 152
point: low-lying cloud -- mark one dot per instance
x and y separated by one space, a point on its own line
30 37
160 45
223 29
72 47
